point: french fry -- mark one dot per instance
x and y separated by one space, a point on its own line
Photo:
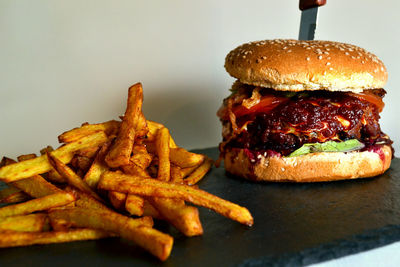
162 149
108 127
71 177
18 239
134 205
55 177
99 166
6 161
85 201
153 128
8 191
121 150
81 163
141 127
43 151
37 222
26 157
38 204
28 168
185 218
117 199
185 159
199 173
89 152
176 174
157 243
16 197
36 186
149 210
180 156
140 156
154 188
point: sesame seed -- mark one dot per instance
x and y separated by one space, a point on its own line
330 68
289 51
308 58
283 169
243 56
328 63
346 53
264 57
319 57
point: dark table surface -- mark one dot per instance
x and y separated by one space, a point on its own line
295 224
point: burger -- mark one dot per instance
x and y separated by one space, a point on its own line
304 111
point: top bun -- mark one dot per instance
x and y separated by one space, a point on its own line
293 65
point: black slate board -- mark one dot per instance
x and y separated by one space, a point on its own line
295 224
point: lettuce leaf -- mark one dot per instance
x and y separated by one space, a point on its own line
330 146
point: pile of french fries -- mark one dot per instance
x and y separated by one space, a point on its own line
105 180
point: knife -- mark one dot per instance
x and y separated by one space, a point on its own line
309 16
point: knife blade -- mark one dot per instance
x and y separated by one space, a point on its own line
309 16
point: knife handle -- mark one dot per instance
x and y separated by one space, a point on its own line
307 4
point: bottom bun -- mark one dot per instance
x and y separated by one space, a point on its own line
314 167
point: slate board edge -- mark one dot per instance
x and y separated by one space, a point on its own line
368 240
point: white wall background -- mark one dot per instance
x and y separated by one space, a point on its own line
66 62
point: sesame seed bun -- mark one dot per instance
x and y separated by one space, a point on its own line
314 167
292 65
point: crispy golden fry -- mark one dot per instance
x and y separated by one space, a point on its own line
89 152
141 127
149 210
38 204
43 151
185 218
19 239
8 191
109 127
99 166
153 128
162 150
133 169
87 202
71 177
15 198
185 159
60 225
134 205
81 163
180 156
37 222
36 186
154 188
55 177
121 150
28 168
157 243
84 200
6 161
199 173
26 157
176 174
117 199
141 157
